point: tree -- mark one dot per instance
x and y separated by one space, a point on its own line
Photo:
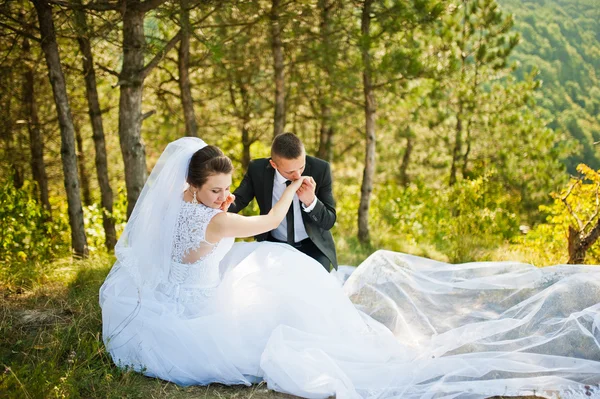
191 128
131 82
67 130
369 97
30 115
579 197
95 113
482 43
396 26
236 47
327 63
278 67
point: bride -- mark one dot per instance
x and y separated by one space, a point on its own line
186 304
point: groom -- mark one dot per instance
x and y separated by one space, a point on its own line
312 214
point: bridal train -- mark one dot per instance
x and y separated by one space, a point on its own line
401 326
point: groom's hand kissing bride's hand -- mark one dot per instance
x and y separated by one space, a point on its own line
306 192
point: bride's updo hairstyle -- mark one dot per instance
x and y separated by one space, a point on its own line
206 162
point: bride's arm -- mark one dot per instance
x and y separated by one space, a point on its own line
227 224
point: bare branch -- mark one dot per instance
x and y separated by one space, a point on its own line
352 101
597 210
20 32
148 114
379 85
160 55
564 200
592 237
105 69
349 147
98 6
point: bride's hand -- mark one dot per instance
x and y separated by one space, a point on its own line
228 201
296 184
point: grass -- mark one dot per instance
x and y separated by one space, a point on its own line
51 343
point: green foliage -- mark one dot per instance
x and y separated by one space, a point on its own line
576 203
458 224
28 235
560 37
461 222
93 219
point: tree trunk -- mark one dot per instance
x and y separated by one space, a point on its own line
578 243
456 152
576 251
246 147
106 194
246 139
7 130
326 130
277 46
404 179
67 132
242 112
465 158
326 133
191 129
130 105
131 81
36 141
83 174
369 171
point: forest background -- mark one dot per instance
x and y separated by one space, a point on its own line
460 130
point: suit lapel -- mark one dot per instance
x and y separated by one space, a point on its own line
268 187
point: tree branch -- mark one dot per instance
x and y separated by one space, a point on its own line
564 200
20 32
160 55
149 5
105 69
597 210
98 6
148 114
592 237
379 85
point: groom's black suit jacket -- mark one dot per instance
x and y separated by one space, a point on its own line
258 183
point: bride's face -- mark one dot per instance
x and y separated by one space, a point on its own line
216 189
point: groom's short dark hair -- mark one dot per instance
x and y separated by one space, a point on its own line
287 145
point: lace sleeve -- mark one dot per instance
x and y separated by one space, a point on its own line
189 243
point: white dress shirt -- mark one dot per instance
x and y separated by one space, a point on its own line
280 233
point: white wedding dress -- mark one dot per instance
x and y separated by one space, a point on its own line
400 327
263 311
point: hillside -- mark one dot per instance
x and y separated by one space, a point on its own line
562 39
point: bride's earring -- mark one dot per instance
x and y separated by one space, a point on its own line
194 200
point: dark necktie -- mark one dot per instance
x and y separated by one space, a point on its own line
291 239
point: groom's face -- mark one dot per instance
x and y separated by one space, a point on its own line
291 169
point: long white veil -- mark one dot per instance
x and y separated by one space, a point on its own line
144 248
485 328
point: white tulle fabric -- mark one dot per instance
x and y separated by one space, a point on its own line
400 326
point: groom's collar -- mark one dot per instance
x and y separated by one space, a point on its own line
279 178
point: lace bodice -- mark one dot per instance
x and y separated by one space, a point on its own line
190 232
194 271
